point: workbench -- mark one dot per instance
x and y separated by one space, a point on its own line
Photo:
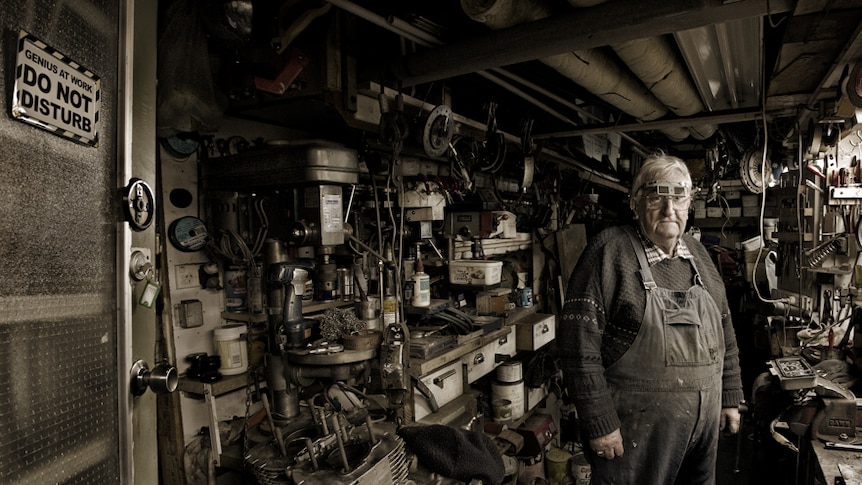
830 467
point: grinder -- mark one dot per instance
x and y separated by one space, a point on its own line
292 332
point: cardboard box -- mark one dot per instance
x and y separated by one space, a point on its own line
494 301
734 212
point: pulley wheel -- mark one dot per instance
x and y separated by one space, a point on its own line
438 131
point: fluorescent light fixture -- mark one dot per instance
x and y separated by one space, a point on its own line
725 61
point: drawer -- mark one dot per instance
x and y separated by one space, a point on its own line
506 344
444 384
479 362
484 360
534 331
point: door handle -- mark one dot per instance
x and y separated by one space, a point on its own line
162 379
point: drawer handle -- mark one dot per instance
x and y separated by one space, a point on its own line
440 380
478 359
545 328
503 340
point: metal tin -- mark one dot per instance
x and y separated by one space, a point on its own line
511 371
502 409
580 469
512 391
557 464
526 297
235 292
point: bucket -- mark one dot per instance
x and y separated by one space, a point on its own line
557 465
232 346
580 469
511 391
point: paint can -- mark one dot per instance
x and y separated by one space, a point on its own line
502 409
580 469
510 371
557 465
511 391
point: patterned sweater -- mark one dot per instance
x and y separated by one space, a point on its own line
604 308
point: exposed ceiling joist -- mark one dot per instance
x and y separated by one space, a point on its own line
736 116
602 25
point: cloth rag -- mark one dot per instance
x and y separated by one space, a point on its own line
456 453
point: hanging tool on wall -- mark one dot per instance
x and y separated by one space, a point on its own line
531 152
494 146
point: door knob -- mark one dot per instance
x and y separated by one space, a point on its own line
161 379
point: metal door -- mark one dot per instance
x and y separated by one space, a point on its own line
67 304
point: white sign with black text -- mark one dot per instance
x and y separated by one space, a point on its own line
55 93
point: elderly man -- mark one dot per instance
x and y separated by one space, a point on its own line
648 349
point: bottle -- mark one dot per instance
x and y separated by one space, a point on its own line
421 285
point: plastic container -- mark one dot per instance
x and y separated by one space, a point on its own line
231 344
475 272
421 286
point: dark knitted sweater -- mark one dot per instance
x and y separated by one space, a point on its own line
604 308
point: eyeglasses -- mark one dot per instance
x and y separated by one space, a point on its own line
658 201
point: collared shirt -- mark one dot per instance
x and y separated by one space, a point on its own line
654 254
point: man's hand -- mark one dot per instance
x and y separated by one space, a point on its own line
729 420
610 446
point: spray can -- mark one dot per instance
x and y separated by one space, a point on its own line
421 285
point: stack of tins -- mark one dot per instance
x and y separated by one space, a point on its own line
508 386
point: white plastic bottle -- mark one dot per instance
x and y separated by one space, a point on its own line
421 285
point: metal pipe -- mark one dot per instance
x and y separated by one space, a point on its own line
310 446
602 25
371 436
514 90
416 32
340 440
375 19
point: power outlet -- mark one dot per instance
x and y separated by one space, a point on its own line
187 276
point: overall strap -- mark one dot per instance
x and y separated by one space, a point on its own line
646 274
